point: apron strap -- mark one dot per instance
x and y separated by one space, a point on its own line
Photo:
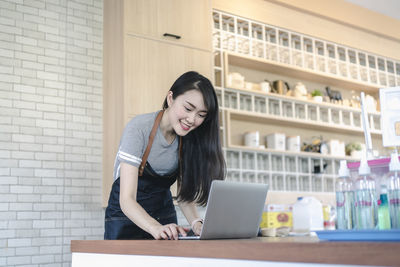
151 138
180 157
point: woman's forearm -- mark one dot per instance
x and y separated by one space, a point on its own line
135 212
127 199
189 210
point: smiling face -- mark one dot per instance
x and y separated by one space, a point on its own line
186 112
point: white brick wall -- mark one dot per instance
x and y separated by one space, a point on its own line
50 129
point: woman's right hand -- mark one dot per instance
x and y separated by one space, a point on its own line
168 231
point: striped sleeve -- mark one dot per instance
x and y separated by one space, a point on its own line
128 158
133 142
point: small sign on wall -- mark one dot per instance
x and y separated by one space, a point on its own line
390 115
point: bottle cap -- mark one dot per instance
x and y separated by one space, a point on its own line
394 164
383 189
343 170
364 168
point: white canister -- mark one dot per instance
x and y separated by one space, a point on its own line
293 143
252 139
307 215
276 141
336 148
265 87
235 80
248 85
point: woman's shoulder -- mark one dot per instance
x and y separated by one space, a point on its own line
142 121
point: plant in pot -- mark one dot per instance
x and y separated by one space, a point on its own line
317 95
354 150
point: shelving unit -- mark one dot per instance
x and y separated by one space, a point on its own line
301 54
257 46
267 65
266 107
283 171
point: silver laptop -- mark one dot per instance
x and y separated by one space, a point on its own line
234 210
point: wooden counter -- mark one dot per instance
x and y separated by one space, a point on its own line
288 249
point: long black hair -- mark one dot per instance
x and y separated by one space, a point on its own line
202 157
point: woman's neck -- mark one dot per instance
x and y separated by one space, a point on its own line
166 128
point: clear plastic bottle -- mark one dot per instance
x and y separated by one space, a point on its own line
383 210
393 187
365 200
344 198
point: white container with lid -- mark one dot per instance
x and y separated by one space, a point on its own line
252 139
293 143
235 80
336 148
307 215
276 141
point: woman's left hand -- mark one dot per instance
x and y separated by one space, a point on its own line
197 228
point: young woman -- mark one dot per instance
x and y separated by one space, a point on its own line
180 142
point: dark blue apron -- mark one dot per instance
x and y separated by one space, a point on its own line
153 194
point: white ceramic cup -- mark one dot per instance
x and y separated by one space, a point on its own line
293 143
265 87
252 139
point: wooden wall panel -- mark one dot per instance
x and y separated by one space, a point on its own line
113 86
152 67
190 19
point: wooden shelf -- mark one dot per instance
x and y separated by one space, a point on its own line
290 153
284 121
302 73
298 100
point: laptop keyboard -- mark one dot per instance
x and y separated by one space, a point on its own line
190 236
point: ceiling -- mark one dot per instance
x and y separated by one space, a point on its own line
389 8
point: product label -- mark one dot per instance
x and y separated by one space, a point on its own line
365 209
344 210
339 204
276 219
363 203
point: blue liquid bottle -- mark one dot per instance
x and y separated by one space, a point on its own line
393 190
383 210
344 198
365 198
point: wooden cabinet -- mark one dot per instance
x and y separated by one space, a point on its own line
188 19
153 67
140 64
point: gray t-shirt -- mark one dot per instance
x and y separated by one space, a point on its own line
163 157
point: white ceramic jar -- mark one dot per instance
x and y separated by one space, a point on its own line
336 148
293 143
252 139
265 87
276 141
235 80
